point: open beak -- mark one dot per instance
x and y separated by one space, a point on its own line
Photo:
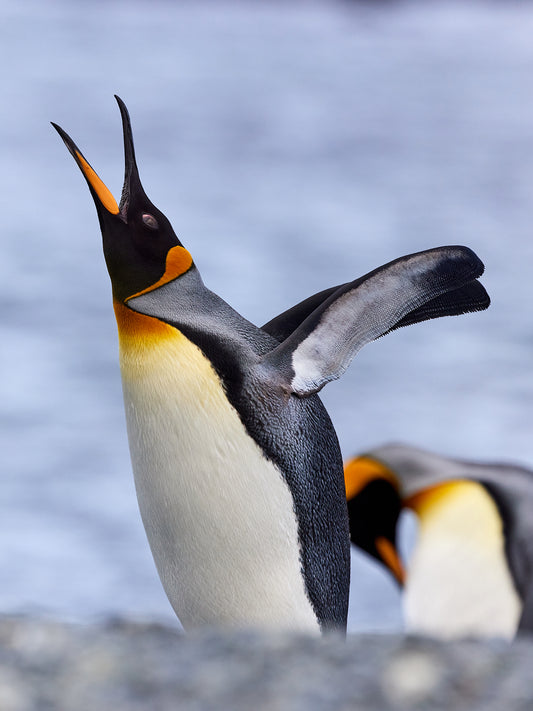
101 194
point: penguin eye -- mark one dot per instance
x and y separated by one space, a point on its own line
150 221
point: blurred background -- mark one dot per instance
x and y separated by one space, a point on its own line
293 145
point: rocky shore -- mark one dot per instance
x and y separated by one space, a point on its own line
119 665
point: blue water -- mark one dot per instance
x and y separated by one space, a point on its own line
293 146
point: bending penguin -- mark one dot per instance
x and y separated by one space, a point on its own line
237 467
471 571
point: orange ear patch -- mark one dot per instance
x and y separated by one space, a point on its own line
179 260
361 471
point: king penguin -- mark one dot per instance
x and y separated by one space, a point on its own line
471 570
237 466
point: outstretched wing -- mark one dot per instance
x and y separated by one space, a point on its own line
281 326
327 330
466 299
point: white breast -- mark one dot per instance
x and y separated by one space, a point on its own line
218 515
459 584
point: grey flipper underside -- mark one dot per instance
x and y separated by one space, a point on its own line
281 326
466 299
337 323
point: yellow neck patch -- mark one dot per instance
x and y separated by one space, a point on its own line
135 329
459 511
179 260
361 471
104 194
432 498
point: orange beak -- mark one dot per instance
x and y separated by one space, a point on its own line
391 558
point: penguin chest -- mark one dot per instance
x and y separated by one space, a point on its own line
459 583
218 514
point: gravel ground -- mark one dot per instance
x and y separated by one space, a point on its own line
129 665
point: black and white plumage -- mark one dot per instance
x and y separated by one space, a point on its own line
471 572
237 466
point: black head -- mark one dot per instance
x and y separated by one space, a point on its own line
140 246
374 506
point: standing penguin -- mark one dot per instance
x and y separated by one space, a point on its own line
237 466
471 571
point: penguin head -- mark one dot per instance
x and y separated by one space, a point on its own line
141 250
374 506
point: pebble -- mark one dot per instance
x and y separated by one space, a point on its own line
129 665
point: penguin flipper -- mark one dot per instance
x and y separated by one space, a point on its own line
399 293
282 325
466 299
